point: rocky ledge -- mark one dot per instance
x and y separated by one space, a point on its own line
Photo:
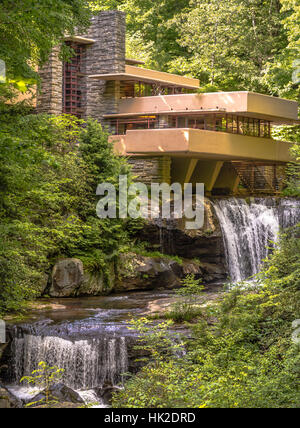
201 252
135 272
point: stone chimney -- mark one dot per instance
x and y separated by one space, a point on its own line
106 55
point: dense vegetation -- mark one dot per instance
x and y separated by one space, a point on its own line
49 171
228 45
30 29
49 166
241 353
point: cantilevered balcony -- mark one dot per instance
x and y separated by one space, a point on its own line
201 144
222 126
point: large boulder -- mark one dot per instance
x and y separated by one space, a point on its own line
212 272
67 277
70 280
139 272
60 393
106 393
95 284
173 238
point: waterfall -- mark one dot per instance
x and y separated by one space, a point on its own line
250 230
87 363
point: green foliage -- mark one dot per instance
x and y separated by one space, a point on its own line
155 340
43 378
186 308
29 30
191 287
141 249
49 171
228 45
246 359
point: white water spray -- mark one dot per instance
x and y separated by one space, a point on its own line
87 363
251 229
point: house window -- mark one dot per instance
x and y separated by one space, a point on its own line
72 82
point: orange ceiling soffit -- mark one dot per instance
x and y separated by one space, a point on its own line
150 76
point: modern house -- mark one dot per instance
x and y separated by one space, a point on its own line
169 131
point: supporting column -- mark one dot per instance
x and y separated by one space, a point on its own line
207 172
228 179
183 169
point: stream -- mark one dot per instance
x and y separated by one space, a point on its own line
89 338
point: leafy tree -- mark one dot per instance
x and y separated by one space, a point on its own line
44 377
230 42
48 200
186 308
30 29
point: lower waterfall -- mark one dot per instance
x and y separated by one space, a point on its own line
88 364
251 229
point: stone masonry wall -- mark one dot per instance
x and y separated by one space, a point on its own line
50 99
151 170
106 55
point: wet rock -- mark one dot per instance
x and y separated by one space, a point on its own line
67 277
213 272
140 272
191 268
95 284
60 393
3 346
8 401
105 394
70 280
173 238
42 284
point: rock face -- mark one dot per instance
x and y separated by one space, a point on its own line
205 244
139 273
3 346
106 393
202 251
70 280
67 277
60 393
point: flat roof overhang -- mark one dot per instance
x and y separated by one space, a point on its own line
80 40
150 76
243 103
275 119
132 61
201 144
169 113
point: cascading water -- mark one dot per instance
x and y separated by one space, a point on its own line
250 230
87 363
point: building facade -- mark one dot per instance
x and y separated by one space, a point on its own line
169 131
